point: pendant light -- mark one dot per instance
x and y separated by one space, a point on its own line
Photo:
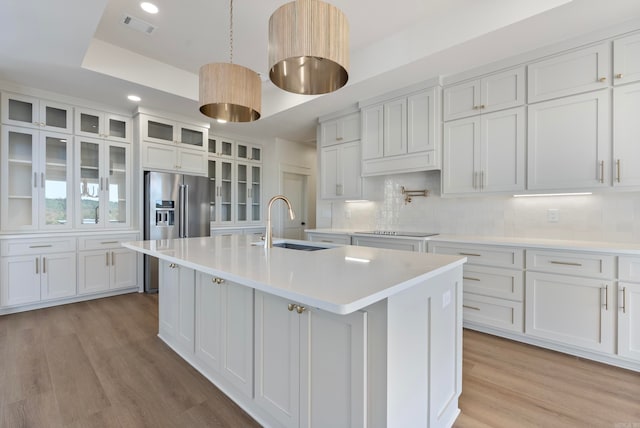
230 92
308 47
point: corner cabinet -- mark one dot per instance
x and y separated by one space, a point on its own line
340 171
302 377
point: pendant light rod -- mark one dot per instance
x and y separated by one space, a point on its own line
231 32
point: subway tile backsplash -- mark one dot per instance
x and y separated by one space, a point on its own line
611 216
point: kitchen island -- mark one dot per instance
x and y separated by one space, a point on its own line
343 336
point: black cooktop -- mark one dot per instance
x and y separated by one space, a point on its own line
398 233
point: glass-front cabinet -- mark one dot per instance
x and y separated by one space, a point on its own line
36 179
221 177
158 130
248 152
103 170
22 110
98 124
249 191
220 147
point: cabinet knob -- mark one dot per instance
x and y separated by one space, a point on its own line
476 107
602 79
338 138
482 106
300 309
619 76
217 280
291 307
173 265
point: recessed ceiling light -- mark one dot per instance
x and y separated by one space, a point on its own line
134 98
149 7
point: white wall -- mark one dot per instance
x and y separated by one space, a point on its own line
611 216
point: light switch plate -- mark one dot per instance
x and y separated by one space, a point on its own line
553 215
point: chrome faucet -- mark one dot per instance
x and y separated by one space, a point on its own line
268 239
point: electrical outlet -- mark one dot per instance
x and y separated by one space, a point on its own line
553 215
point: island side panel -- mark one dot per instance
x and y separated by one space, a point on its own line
424 353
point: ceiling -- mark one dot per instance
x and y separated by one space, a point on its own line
80 48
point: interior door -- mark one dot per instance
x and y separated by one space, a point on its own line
294 186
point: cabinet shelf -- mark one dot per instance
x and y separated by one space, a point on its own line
57 165
20 161
20 197
90 168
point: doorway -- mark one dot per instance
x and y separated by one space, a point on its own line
294 186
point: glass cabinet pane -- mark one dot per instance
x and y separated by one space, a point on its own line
90 123
225 191
242 192
90 182
161 131
256 193
192 137
213 143
56 117
242 151
55 181
22 180
21 111
117 128
256 153
117 185
213 190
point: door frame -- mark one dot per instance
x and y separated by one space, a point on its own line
283 169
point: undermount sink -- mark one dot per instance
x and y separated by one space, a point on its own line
300 247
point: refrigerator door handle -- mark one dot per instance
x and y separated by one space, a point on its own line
185 217
181 213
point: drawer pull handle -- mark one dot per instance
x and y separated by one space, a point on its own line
471 307
470 254
624 300
606 297
470 278
113 259
108 242
40 246
37 265
553 262
44 265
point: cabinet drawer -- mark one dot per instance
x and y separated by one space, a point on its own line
493 282
331 238
493 312
17 247
389 243
482 254
110 241
572 263
629 268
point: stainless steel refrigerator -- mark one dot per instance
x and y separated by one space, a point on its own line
176 206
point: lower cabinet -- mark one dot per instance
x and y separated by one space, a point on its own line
176 307
416 245
224 330
570 310
629 320
102 270
333 238
310 365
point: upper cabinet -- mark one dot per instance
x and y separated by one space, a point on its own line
340 171
401 134
494 92
220 147
248 152
22 110
626 135
570 73
99 124
626 60
159 130
341 130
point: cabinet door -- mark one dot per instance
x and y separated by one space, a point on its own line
350 181
502 90
226 193
58 278
461 156
421 121
117 128
248 152
31 112
168 301
20 182
333 366
329 163
563 154
56 117
462 100
626 135
56 178
158 156
89 210
186 327
395 127
349 128
493 282
93 271
242 192
571 311
157 130
571 73
117 196
626 60
277 359
208 321
192 162
124 268
255 193
390 243
237 336
214 202
220 147
502 151
372 132
191 136
329 133
20 280
629 320
89 123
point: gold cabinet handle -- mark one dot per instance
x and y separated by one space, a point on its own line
300 309
618 170
619 76
217 280
476 107
554 262
624 300
471 307
291 307
482 106
339 138
470 278
470 254
602 79
601 171
173 265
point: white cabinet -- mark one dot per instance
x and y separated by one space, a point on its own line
104 265
164 131
176 306
340 171
340 130
99 124
333 238
35 270
485 153
626 135
629 308
162 157
36 179
402 134
626 59
570 73
22 110
221 177
224 330
220 147
494 92
248 152
569 143
310 366
103 193
248 192
391 243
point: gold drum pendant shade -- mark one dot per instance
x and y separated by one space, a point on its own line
230 92
308 47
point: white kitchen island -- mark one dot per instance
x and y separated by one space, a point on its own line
341 337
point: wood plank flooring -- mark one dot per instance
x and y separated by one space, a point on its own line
100 364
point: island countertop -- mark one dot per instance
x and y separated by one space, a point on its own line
341 280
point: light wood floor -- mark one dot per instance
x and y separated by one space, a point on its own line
100 364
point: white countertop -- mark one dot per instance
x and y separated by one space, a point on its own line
325 279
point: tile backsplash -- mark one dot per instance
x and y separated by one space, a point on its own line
610 216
